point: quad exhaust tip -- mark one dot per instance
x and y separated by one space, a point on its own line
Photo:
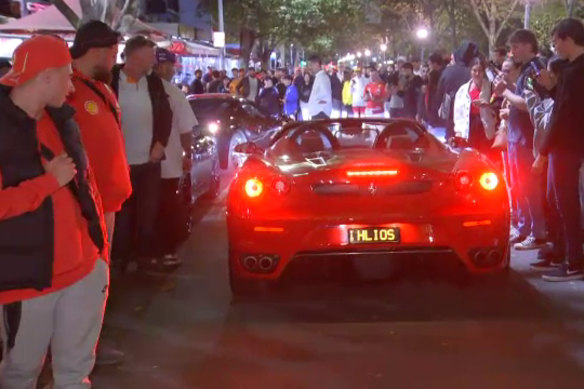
250 262
260 263
266 263
487 257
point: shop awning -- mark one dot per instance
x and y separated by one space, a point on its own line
51 19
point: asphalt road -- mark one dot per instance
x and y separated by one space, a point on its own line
183 331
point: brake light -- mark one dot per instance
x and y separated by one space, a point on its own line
489 181
254 187
372 173
281 185
463 180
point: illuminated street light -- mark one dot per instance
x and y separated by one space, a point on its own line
359 54
422 33
383 47
367 53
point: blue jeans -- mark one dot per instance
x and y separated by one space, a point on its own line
529 191
565 167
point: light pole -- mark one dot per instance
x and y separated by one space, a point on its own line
222 30
422 34
383 48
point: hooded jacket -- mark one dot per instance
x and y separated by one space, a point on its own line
456 74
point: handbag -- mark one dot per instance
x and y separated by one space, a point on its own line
446 106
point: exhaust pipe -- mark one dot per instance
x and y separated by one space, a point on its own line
250 262
494 256
266 263
479 257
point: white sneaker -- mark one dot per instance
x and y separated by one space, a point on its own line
530 243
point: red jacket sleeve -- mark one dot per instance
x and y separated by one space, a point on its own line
27 196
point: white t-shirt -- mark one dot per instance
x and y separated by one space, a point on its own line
358 90
321 91
183 121
137 121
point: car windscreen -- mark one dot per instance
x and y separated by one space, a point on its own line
207 110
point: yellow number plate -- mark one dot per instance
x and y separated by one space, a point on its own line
374 235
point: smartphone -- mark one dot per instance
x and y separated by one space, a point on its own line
535 69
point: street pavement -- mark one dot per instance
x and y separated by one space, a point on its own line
183 331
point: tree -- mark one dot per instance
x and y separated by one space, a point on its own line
265 24
118 14
570 7
493 16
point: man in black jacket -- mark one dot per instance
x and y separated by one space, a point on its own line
565 144
146 124
453 77
197 87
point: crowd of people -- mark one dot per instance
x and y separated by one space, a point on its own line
91 154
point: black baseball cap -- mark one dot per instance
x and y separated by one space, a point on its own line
91 35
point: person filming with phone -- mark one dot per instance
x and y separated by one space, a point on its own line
530 231
474 119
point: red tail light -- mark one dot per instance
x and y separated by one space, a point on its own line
489 181
281 185
254 187
463 180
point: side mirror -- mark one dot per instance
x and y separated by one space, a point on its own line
248 148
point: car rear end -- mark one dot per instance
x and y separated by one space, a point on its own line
393 209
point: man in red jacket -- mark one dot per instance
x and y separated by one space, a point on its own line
53 271
98 115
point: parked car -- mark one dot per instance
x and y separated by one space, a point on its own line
231 121
205 174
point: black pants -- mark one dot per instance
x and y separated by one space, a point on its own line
565 168
171 223
134 232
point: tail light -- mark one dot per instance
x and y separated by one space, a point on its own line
281 185
254 187
489 181
463 180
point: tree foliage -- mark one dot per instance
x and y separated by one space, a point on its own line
314 24
493 16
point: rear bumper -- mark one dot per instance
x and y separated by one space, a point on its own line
480 246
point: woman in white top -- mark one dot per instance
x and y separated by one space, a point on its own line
474 119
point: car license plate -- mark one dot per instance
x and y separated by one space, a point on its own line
374 235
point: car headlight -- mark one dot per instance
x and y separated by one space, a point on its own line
213 127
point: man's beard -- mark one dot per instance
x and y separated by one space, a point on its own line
102 74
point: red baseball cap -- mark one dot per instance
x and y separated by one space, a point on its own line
34 55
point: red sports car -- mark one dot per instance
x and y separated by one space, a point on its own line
362 187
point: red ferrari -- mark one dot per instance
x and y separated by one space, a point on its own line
362 187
